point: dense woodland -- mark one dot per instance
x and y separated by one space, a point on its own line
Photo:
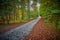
50 10
15 11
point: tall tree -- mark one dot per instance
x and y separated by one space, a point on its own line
22 7
35 7
28 7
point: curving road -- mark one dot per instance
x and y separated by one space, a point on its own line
20 32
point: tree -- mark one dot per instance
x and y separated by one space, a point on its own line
51 12
22 7
35 7
28 7
6 10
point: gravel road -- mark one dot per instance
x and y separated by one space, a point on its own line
20 32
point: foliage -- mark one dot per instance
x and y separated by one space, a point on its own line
51 12
13 11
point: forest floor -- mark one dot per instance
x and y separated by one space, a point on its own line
42 32
5 28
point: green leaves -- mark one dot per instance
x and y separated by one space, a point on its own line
51 12
55 11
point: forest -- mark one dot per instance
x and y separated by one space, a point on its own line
14 11
50 10
17 11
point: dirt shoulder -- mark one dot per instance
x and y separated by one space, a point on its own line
5 28
41 32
